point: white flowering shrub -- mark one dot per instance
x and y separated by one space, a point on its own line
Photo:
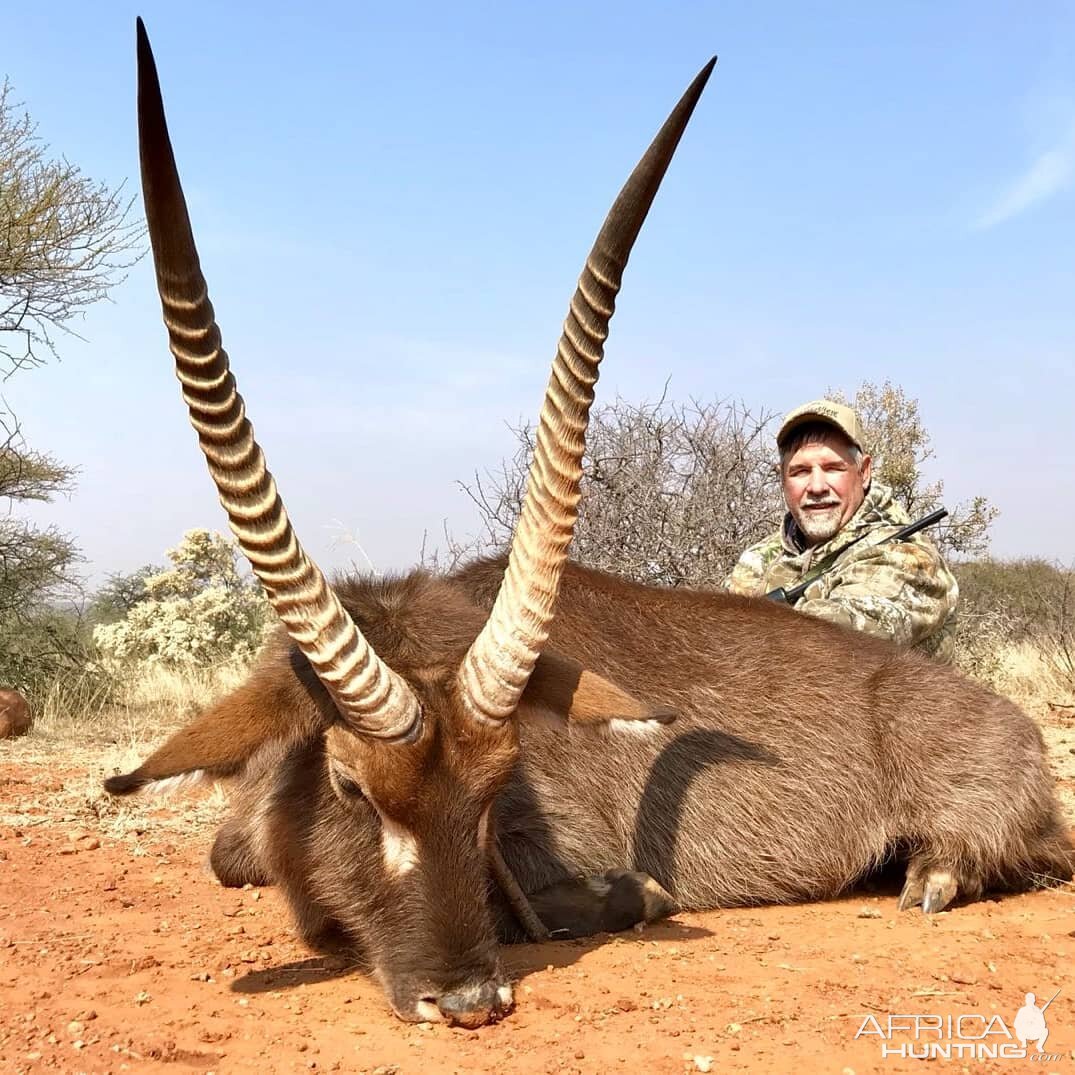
199 611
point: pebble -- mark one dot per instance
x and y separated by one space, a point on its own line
869 912
703 1063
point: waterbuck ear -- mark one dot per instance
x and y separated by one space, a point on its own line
561 684
225 735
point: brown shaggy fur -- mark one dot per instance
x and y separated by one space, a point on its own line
801 757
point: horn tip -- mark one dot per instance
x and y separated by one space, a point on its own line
144 49
703 76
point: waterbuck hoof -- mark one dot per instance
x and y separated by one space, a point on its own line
940 890
602 903
911 896
934 894
633 897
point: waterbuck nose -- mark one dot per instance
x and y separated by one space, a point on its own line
475 1005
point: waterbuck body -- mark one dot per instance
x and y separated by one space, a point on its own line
801 757
429 765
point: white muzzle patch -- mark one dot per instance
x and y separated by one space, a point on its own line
428 1011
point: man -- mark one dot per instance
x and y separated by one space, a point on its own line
837 517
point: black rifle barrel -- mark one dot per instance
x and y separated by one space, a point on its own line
793 595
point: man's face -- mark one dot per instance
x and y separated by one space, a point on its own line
824 486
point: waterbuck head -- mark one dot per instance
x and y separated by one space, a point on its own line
402 699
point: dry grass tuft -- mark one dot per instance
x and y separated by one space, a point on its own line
88 729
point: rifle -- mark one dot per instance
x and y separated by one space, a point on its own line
793 595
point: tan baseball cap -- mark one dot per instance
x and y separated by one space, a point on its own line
823 410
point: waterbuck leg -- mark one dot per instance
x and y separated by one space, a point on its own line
939 891
321 932
605 903
517 901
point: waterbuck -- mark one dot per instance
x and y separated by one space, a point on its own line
14 714
430 765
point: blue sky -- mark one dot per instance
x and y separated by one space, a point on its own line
392 208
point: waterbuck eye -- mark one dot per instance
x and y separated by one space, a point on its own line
349 787
346 786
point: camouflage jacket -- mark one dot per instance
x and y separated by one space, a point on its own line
902 591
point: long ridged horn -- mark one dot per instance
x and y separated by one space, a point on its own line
497 667
369 695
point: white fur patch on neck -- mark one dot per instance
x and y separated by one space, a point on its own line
399 847
641 728
172 784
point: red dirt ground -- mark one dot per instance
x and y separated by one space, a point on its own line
113 961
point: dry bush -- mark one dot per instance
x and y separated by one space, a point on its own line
41 634
672 493
200 611
65 240
84 735
134 703
1032 594
900 444
1010 610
